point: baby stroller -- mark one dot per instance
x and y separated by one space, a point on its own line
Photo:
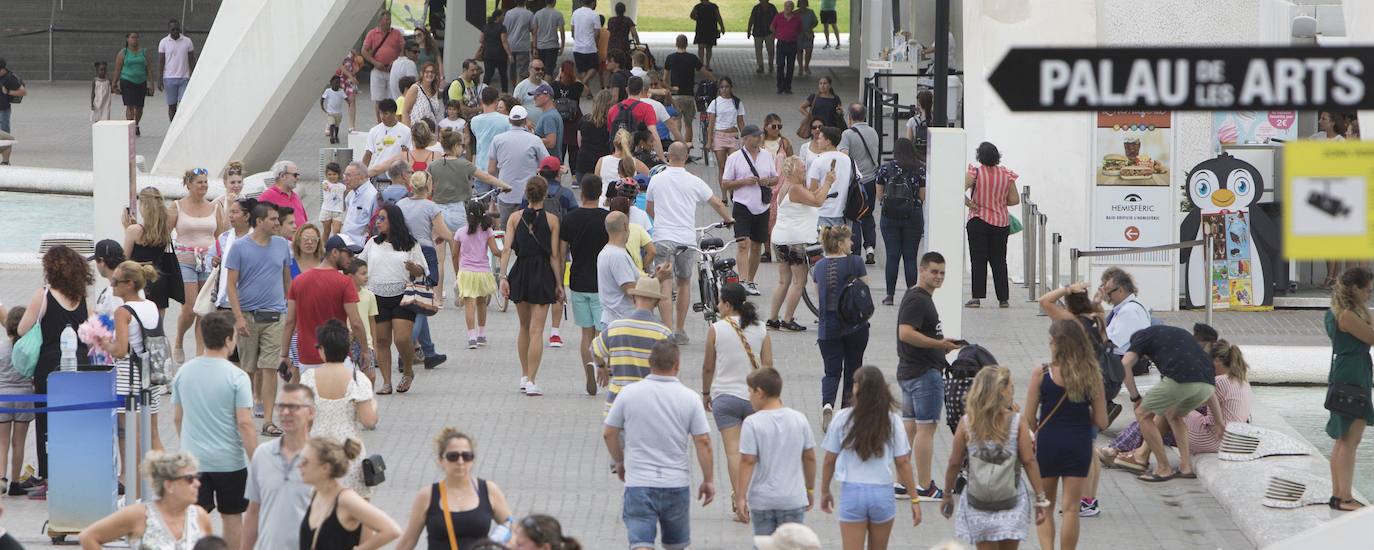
958 379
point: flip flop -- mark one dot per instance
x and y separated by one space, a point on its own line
404 386
1151 477
1180 475
1107 458
1126 463
271 430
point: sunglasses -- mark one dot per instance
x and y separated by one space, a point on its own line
199 172
454 456
776 126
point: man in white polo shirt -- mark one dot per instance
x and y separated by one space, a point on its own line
672 202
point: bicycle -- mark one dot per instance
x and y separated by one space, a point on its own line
814 253
712 272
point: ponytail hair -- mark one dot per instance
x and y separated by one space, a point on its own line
337 455
738 298
624 145
543 529
477 217
1230 355
1344 297
137 274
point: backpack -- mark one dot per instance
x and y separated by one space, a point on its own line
557 201
568 108
157 352
707 90
1113 370
624 118
856 201
855 304
899 200
994 475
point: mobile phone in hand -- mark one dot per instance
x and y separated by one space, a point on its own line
960 342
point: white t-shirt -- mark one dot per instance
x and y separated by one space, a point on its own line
386 142
585 25
660 416
675 193
806 155
332 197
777 437
636 71
178 54
400 68
660 112
334 100
727 115
852 469
456 125
816 172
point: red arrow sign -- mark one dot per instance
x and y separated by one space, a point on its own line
1132 233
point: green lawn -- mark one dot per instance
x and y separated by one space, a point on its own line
673 15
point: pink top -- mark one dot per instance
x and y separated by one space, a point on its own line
474 249
990 185
293 201
1234 398
787 28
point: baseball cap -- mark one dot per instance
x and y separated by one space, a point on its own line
789 536
751 130
336 241
541 89
550 163
107 248
518 112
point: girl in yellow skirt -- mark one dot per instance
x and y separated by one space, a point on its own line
476 283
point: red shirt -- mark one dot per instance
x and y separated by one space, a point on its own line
320 295
786 29
643 113
293 201
386 46
990 185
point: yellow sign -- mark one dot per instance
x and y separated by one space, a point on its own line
1327 193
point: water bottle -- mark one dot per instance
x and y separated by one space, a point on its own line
501 532
68 343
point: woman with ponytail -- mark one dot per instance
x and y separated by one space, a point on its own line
336 515
1230 403
541 532
149 242
1067 398
131 319
1348 326
736 345
621 163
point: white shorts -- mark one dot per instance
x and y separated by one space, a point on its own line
326 215
380 85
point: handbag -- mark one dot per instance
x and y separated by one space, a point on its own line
208 295
1347 400
804 131
374 470
419 297
24 356
765 192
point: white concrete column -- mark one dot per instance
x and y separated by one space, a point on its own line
114 176
461 38
948 159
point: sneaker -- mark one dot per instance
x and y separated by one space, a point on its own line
589 370
435 360
773 324
258 410
791 325
827 412
1087 508
751 288
899 491
973 304
33 481
887 300
930 494
532 390
524 383
16 490
555 341
765 258
1003 304
681 339
472 343
1113 410
827 46
868 256
482 341
39 493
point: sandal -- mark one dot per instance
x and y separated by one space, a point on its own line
734 510
1151 477
271 430
404 386
1125 462
1340 505
386 390
1107 456
1180 475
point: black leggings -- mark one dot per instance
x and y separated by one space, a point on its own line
987 246
494 64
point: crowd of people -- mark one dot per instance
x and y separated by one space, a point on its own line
531 199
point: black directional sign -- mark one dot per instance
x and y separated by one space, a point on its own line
1186 79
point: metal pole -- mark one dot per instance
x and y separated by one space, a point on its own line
1073 265
1054 259
1043 256
1034 251
1207 253
939 118
1025 237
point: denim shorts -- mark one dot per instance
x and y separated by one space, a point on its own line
174 88
190 274
455 215
869 502
730 411
831 222
923 397
767 521
649 508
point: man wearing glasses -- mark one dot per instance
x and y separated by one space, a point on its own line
277 497
283 190
1128 315
525 89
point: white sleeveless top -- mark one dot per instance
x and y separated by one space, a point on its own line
732 362
796 222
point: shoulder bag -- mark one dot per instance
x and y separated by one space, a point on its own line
208 295
374 470
448 517
24 354
1349 400
419 297
765 192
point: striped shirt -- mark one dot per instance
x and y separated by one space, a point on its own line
625 346
990 185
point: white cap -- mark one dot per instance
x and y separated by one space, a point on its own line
518 112
789 536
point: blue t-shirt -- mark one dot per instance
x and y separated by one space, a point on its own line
849 467
551 122
209 391
663 132
485 127
260 286
830 276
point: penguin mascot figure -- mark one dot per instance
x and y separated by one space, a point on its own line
1224 189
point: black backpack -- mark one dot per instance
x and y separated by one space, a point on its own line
855 303
624 118
900 201
856 200
569 109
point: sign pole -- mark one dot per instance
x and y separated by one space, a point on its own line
939 116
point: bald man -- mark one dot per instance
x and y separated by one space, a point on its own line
616 274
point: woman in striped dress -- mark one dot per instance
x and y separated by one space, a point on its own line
992 189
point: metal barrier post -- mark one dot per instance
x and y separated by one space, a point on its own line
1054 259
1030 231
1073 265
1207 254
1025 237
1042 257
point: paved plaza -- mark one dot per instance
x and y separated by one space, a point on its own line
547 453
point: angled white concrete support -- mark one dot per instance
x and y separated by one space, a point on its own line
463 33
261 70
948 160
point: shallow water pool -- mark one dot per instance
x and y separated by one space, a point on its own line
27 216
1302 408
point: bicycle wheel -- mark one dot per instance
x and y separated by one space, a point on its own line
710 296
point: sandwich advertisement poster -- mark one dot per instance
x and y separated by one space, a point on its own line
1134 148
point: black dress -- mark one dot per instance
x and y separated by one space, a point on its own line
1064 446
469 526
531 280
332 533
825 109
168 285
55 319
595 143
707 16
